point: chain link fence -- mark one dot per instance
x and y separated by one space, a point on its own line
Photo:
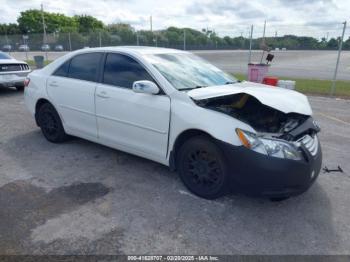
286 37
73 41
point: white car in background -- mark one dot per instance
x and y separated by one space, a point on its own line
45 47
12 72
177 109
23 48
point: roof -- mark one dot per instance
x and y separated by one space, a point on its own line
141 50
134 50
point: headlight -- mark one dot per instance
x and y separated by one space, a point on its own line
270 147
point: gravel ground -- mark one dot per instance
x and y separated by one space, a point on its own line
83 198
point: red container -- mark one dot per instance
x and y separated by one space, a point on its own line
270 80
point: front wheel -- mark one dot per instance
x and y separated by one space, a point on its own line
50 124
202 168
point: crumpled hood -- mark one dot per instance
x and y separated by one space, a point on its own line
284 100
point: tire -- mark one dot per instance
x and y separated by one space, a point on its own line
51 124
202 168
20 88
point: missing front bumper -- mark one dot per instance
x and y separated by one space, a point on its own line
260 175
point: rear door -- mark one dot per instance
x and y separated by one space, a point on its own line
72 90
135 122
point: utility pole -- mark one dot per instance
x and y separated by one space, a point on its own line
184 38
263 43
338 58
6 38
100 38
69 42
151 23
44 26
137 39
250 44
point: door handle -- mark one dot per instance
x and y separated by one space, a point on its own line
103 94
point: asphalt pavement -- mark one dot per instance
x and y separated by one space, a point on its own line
83 198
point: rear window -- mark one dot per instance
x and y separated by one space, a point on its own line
85 66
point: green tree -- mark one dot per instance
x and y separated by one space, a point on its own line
347 44
9 29
174 36
147 37
88 23
323 43
77 40
126 32
332 44
93 39
30 21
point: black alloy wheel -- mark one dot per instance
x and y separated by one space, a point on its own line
203 168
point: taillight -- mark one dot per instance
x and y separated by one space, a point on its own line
26 82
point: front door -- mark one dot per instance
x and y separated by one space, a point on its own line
135 122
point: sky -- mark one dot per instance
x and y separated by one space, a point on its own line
317 18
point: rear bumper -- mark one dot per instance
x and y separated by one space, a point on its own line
13 79
260 175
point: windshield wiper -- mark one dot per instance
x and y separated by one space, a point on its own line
190 88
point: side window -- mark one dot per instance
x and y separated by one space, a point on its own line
63 69
123 71
85 66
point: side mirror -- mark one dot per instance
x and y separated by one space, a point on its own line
146 87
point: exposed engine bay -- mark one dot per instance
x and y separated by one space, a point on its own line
264 119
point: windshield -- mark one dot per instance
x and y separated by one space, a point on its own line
4 56
187 71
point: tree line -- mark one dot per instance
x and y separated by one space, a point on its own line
85 30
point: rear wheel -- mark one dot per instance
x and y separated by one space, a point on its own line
202 168
50 124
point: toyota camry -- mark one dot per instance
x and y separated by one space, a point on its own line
172 107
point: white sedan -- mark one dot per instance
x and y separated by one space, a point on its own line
177 109
12 72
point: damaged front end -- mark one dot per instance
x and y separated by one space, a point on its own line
281 159
281 156
283 135
265 120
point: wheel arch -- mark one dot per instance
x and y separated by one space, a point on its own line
180 140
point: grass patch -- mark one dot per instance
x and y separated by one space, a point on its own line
314 86
32 62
